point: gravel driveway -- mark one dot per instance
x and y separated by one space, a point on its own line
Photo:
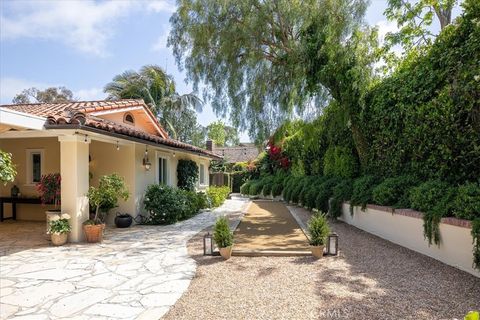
370 279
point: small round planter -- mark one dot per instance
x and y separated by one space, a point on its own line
317 251
226 252
48 215
59 239
93 232
123 220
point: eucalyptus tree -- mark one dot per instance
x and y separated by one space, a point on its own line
49 95
152 84
273 57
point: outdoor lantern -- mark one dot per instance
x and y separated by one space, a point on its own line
146 162
207 244
332 244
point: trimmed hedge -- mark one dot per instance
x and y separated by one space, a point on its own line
217 195
394 191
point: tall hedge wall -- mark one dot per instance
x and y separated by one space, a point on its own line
425 118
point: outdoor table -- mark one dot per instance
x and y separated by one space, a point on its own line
14 201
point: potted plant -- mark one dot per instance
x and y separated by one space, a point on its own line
223 237
319 230
59 227
49 189
110 189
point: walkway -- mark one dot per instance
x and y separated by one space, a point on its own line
268 228
136 273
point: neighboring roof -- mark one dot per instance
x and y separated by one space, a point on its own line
57 109
243 153
77 115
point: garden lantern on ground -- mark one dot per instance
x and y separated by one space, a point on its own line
332 244
207 244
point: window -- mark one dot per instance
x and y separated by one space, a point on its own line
202 173
34 166
129 119
162 170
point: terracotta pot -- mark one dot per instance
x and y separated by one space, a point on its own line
59 239
226 252
317 251
93 232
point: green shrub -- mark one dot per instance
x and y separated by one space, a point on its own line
318 229
340 162
325 192
245 188
467 201
187 174
394 191
167 205
238 179
255 188
217 195
222 235
362 191
432 194
308 184
297 189
203 201
341 192
277 189
289 187
434 198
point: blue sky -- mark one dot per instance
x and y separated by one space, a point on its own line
83 44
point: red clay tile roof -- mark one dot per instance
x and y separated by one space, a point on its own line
57 109
76 115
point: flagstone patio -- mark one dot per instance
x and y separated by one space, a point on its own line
136 273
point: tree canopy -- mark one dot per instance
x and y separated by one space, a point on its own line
222 135
266 61
49 95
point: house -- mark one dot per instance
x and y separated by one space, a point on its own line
84 141
244 152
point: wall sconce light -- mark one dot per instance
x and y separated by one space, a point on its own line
118 147
174 154
146 162
86 139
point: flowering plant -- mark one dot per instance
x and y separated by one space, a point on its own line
49 188
59 224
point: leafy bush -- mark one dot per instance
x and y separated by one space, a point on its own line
318 229
222 235
341 192
289 188
394 191
467 201
59 224
297 189
217 195
167 205
256 188
7 168
309 183
238 179
362 191
277 189
187 174
340 162
105 196
325 191
203 201
434 198
245 188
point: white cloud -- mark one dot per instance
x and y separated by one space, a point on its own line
89 94
85 25
161 6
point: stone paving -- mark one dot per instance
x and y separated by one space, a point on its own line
135 273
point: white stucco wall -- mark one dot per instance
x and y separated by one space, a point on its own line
456 242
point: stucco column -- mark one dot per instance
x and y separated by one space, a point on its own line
74 152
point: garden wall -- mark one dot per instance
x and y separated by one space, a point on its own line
405 227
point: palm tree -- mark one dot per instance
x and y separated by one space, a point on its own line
157 89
